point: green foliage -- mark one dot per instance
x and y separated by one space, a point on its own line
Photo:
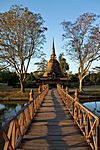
41 66
92 79
96 69
8 77
63 64
30 77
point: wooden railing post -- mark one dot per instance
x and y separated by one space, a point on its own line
42 87
76 95
98 135
75 109
47 87
67 93
39 89
31 95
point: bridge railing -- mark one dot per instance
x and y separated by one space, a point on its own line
84 118
13 130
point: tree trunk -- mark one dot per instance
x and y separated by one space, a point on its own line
21 87
80 84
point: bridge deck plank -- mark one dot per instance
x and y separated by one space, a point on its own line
53 128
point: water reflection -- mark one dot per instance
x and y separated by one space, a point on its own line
94 107
8 110
2 107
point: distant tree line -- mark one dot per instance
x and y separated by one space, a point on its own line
8 77
33 78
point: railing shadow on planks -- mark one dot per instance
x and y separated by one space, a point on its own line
84 118
14 129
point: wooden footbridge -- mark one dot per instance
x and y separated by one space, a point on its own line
52 121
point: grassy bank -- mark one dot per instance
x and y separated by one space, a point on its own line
8 92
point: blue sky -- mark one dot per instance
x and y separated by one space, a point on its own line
54 12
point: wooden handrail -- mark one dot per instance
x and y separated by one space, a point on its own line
87 121
14 129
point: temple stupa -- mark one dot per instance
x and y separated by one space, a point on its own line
53 68
53 74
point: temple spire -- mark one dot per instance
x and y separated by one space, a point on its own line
53 55
53 68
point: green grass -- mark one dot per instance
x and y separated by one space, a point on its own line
7 92
91 90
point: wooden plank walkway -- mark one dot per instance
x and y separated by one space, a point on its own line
53 128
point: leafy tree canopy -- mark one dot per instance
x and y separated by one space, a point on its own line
63 64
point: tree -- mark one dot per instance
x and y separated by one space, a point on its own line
30 77
63 64
82 42
41 65
97 69
21 38
8 77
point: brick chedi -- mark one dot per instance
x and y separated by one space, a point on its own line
53 68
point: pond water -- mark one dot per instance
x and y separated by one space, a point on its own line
94 107
8 110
